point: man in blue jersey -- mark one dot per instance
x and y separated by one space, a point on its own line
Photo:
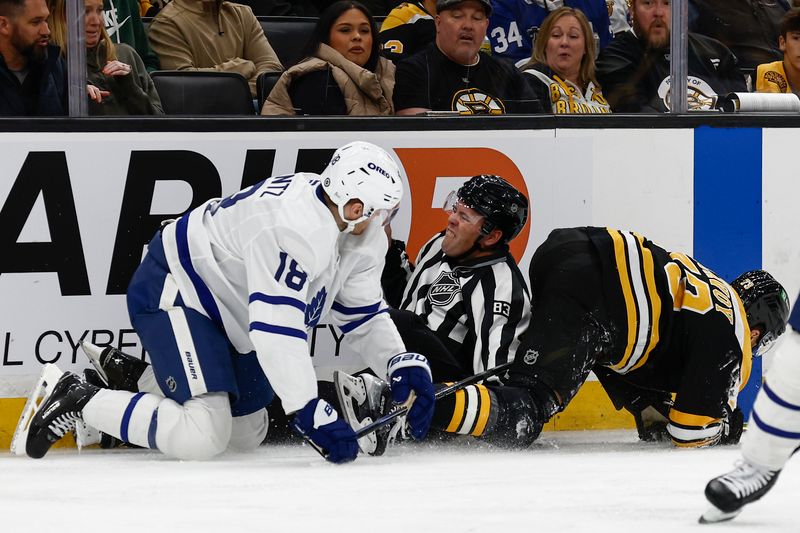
223 302
514 23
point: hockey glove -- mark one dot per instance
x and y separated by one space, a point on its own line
410 372
732 426
319 423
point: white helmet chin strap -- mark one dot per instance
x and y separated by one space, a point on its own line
351 224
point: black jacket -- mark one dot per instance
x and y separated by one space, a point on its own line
635 78
44 92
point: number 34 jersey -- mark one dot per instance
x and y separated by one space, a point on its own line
268 263
678 326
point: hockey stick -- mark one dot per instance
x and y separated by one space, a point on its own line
441 393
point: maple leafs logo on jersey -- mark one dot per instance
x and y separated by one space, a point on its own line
444 289
314 308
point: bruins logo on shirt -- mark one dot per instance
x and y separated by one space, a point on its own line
699 94
477 102
777 79
444 289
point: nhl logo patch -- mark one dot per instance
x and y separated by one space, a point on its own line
444 289
172 385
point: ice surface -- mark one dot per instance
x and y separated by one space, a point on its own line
588 481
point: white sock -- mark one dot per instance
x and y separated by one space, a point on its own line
126 415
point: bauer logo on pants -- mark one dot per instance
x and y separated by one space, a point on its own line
444 289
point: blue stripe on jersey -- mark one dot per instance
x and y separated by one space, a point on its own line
203 292
126 416
347 328
151 431
278 330
372 309
772 430
278 300
777 399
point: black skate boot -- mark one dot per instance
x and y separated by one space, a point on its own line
118 370
58 413
730 492
364 399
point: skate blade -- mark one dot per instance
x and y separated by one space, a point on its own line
714 515
367 443
43 388
93 353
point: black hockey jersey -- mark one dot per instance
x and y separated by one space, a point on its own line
636 78
678 327
406 30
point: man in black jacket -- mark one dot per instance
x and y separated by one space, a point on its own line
634 69
32 74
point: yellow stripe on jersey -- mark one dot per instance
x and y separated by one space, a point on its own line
483 414
695 443
406 13
654 298
747 349
627 293
458 412
690 420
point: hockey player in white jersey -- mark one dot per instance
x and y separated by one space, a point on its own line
772 436
223 302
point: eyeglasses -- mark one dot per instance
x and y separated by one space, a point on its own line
453 204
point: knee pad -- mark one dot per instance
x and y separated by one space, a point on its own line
197 430
249 431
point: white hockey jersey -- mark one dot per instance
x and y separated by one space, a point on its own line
269 263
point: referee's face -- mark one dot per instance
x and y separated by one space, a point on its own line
463 230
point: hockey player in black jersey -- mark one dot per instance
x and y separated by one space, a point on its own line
651 323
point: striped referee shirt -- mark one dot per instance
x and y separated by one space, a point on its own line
479 308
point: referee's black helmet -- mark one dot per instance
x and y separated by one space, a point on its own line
502 206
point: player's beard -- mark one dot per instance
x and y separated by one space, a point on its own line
33 51
654 40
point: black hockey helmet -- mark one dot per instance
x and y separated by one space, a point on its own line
766 304
502 206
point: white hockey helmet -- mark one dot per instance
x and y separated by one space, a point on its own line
363 171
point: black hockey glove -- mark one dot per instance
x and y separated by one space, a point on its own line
732 426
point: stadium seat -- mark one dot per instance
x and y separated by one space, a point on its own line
288 36
189 92
264 84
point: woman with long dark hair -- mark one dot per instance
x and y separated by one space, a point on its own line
343 72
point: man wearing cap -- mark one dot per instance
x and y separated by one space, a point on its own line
452 74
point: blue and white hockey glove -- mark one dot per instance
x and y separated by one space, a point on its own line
411 372
319 423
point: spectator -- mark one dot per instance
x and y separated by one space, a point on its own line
634 69
343 73
124 25
118 81
514 24
212 35
749 28
408 29
452 74
32 73
561 70
783 76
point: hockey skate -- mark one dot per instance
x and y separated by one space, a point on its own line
118 370
57 414
730 492
364 399
43 388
